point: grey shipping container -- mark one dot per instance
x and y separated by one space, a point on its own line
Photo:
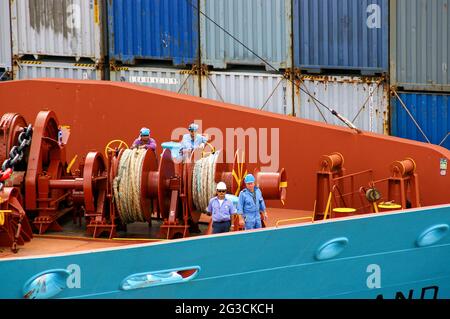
5 38
364 101
169 79
263 91
40 69
58 28
263 26
420 44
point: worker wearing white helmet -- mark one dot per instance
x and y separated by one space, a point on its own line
192 140
221 210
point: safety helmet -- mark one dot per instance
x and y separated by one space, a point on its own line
145 131
193 127
249 179
221 186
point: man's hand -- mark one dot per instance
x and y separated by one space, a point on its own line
265 216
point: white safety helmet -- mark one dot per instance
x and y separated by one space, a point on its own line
221 186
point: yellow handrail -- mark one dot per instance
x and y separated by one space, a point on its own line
69 167
240 175
2 216
328 207
213 150
139 239
293 220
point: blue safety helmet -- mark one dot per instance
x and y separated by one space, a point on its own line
249 179
145 131
193 127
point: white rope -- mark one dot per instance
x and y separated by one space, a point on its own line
203 184
127 186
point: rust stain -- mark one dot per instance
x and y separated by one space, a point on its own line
50 14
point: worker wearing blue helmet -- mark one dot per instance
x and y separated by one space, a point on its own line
192 140
251 204
144 140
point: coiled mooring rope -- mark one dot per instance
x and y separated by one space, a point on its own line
127 186
203 184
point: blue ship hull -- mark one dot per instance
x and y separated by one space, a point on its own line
398 255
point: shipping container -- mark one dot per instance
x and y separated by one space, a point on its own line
57 28
5 38
263 26
431 112
50 69
153 30
258 90
362 100
341 34
169 79
420 45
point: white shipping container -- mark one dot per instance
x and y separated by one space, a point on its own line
168 79
263 91
44 69
57 28
5 37
363 101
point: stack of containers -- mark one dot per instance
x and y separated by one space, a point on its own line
62 39
420 61
154 43
307 52
341 60
5 41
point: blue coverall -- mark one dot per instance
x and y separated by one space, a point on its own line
250 205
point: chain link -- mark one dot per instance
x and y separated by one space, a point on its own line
16 154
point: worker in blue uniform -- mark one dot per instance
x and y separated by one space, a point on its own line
192 140
251 204
221 209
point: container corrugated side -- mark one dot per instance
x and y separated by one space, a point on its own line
5 37
45 69
362 100
153 30
57 28
420 45
341 34
263 26
430 111
263 91
173 80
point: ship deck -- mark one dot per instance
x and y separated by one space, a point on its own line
74 238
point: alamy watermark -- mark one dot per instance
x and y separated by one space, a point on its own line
261 145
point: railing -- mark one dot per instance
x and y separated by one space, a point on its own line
311 219
348 193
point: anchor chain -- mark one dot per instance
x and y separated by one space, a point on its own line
15 155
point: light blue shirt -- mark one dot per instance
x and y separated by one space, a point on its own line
188 144
251 203
220 213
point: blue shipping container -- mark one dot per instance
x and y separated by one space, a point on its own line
153 30
431 112
342 34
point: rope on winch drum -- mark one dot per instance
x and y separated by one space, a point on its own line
203 184
127 186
